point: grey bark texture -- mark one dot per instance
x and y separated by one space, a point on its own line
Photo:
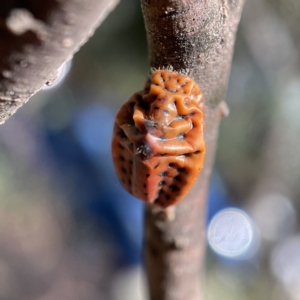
197 37
36 37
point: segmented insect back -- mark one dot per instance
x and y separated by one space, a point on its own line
158 145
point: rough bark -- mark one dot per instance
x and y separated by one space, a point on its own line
36 37
198 37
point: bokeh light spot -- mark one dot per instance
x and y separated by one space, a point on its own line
275 216
230 233
285 264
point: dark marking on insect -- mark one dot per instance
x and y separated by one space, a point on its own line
161 183
183 85
165 173
144 149
144 105
181 136
174 188
123 135
177 178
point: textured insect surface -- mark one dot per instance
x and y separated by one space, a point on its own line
158 145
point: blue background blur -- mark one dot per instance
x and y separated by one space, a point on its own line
67 228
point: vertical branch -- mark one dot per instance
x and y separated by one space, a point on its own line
198 37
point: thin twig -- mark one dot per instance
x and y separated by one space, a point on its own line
36 37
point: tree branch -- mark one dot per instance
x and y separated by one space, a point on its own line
197 36
36 37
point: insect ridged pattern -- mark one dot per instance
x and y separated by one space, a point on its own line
158 145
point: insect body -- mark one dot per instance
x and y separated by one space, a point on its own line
158 145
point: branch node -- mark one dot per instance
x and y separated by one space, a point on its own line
161 214
224 109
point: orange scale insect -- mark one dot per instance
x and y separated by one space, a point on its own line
158 146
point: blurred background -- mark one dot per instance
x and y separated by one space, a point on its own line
67 228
